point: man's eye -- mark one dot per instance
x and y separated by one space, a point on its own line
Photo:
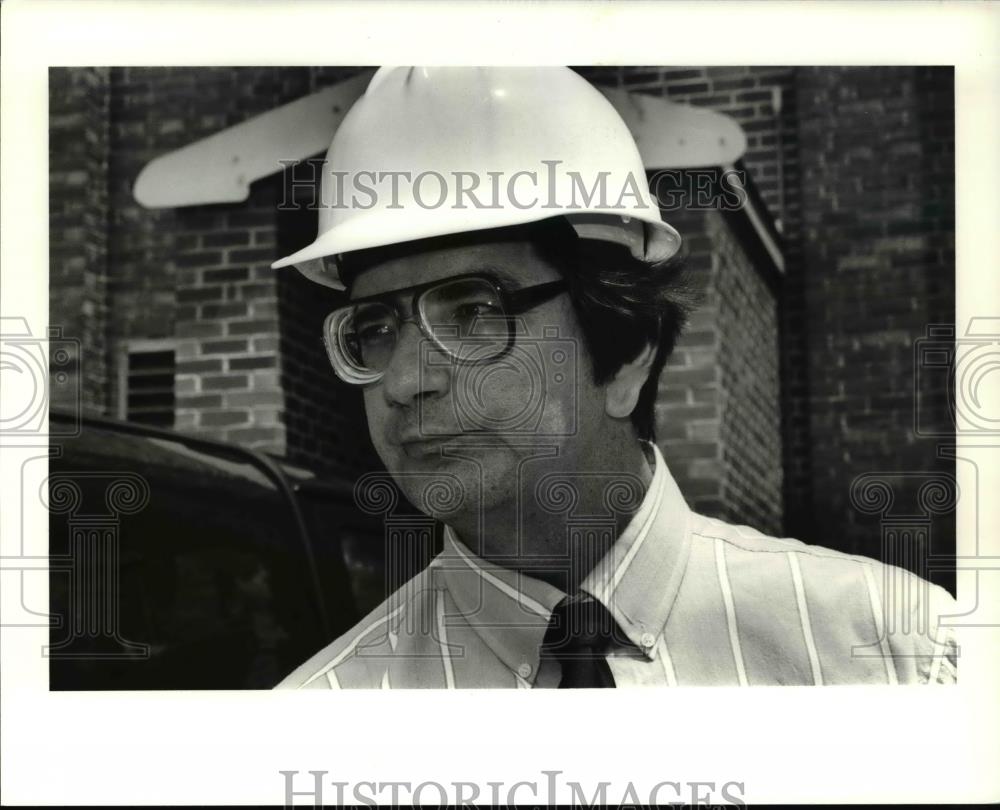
467 312
373 331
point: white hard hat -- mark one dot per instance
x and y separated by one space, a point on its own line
436 151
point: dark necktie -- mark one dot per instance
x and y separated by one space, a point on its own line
577 637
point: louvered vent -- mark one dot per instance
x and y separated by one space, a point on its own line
149 396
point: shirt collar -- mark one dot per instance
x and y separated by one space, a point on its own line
637 581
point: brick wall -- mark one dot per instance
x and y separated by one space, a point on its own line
857 167
201 274
760 98
227 325
323 417
250 363
78 227
718 417
747 314
877 158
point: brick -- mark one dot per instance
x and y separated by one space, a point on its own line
226 239
670 395
254 327
733 84
250 218
691 413
726 70
184 384
224 347
198 329
226 274
249 292
705 468
250 363
265 380
198 366
203 401
231 310
254 399
186 420
687 73
203 258
226 382
265 344
755 95
195 295
263 417
687 450
224 418
716 100
704 337
689 89
260 254
186 350
692 376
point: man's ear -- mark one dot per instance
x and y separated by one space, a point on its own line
622 392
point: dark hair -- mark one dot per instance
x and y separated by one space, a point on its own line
623 303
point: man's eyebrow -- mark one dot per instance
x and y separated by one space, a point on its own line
378 296
498 272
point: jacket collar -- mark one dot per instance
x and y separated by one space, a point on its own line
637 581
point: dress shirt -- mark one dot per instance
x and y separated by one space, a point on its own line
699 602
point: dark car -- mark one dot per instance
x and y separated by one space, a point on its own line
184 563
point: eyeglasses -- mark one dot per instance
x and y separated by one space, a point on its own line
471 318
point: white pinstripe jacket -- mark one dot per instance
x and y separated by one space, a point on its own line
701 601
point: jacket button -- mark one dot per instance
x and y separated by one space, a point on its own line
647 640
524 670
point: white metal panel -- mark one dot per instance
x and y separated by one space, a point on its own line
678 136
221 167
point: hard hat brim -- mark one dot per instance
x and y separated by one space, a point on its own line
648 239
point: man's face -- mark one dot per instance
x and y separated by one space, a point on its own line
476 425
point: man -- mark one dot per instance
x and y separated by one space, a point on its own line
513 297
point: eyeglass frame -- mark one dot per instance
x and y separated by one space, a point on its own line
514 303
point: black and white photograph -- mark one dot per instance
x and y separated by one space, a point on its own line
614 408
650 375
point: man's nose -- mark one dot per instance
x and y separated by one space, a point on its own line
416 369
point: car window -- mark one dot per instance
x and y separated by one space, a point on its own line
207 586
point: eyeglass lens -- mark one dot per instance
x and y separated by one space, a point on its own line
465 317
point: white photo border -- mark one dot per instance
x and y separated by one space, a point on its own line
840 744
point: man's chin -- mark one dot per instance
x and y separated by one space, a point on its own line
447 478
434 482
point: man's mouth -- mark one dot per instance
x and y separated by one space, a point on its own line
427 446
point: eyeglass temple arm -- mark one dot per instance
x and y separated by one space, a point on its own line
522 300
